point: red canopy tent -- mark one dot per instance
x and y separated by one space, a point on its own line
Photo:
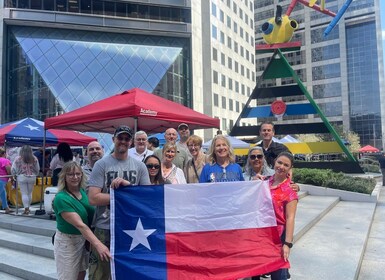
368 149
136 108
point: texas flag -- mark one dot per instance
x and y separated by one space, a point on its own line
194 231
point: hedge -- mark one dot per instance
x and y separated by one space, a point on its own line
329 179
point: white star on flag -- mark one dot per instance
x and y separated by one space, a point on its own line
32 127
139 235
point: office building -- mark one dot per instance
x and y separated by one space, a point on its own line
342 71
59 55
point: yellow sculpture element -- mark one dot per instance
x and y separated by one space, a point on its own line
282 32
312 2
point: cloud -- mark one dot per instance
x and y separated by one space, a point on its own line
383 35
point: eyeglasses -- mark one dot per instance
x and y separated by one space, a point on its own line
253 157
72 175
193 146
151 166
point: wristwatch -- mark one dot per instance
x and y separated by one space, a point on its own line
288 244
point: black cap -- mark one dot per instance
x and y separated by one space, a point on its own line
123 129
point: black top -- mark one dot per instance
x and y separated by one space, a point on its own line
381 160
273 151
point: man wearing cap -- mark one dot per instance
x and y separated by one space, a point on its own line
184 134
140 151
112 171
181 156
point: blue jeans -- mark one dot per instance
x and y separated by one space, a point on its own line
3 195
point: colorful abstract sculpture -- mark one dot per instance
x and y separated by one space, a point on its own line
279 29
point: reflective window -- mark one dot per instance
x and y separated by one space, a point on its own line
327 90
325 52
363 83
108 8
53 71
326 71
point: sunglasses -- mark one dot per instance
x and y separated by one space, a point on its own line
151 166
253 157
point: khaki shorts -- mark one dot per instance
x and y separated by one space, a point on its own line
71 257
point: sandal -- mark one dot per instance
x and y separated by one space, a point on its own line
8 211
26 212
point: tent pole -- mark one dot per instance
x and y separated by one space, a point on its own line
135 125
42 211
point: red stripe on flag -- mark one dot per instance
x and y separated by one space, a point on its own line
226 254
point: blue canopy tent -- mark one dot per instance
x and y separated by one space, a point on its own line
29 131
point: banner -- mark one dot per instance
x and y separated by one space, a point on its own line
194 231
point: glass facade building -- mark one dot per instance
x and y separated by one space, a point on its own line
343 71
60 55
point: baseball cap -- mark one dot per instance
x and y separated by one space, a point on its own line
183 124
123 129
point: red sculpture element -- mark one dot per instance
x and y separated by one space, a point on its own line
278 108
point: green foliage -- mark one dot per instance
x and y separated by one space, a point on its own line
373 168
329 179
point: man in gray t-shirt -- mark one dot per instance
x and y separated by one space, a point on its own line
112 171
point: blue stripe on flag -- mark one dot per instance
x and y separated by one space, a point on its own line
147 205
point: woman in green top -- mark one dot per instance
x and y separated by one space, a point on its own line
73 215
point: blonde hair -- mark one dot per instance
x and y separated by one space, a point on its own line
194 139
26 154
211 152
68 167
169 146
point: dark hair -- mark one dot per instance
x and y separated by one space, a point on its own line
64 152
154 141
158 180
287 155
266 122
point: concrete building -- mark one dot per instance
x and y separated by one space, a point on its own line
343 71
59 55
226 41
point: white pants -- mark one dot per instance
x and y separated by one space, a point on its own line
71 256
26 184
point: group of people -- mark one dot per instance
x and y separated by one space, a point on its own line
25 167
84 187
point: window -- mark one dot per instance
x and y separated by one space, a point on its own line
235 27
221 16
237 86
229 63
215 54
214 32
214 9
229 22
237 106
229 42
223 80
216 100
222 37
223 59
231 105
230 84
215 77
223 102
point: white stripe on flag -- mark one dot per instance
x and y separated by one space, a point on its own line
218 206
